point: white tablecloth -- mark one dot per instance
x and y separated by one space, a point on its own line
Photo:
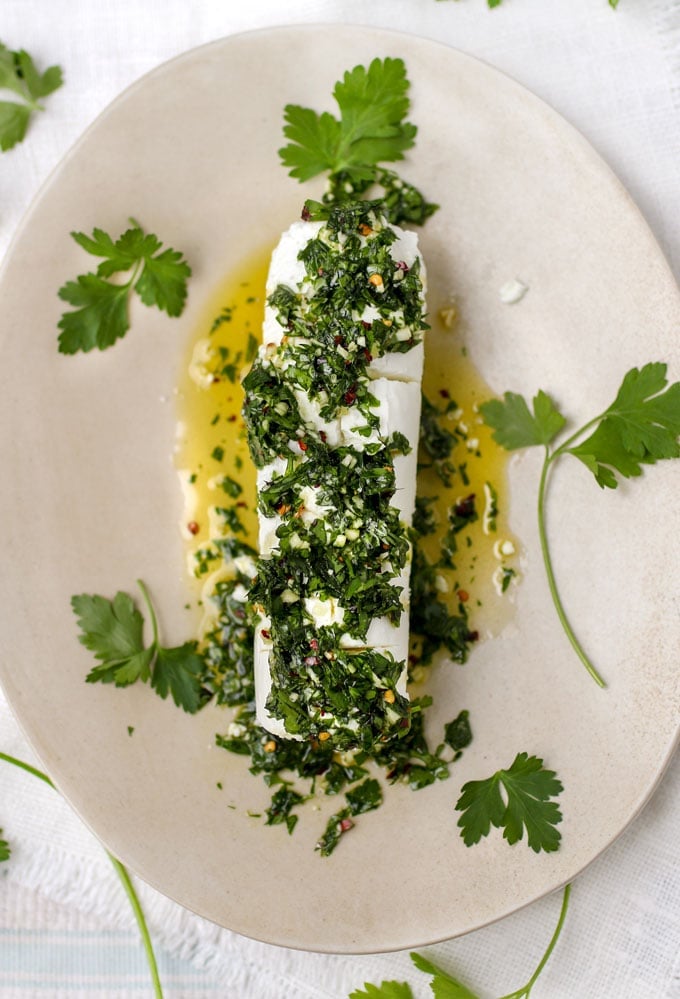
65 928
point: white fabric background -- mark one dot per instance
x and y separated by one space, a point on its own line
616 76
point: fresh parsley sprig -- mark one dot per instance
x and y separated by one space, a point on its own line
640 427
19 75
373 104
159 276
445 986
113 630
528 787
372 129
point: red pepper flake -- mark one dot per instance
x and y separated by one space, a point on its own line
350 396
346 825
302 445
323 435
311 660
368 355
232 419
466 507
444 393
472 636
242 504
266 634
403 266
337 340
463 596
192 527
314 644
305 214
367 326
215 379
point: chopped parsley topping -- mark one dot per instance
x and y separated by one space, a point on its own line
356 302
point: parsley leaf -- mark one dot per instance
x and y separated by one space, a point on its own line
528 788
443 985
113 630
177 672
373 104
640 427
386 990
101 315
5 849
515 426
19 75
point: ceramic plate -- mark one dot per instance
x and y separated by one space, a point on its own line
90 500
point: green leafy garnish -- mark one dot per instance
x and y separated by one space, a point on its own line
113 630
386 990
5 850
361 798
283 801
516 426
101 316
528 788
19 75
639 428
443 985
373 104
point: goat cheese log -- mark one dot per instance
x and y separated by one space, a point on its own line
333 413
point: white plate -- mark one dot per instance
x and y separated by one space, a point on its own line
90 500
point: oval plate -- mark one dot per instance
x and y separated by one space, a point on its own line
90 499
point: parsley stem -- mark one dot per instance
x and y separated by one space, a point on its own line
26 766
565 445
126 881
123 876
547 561
524 992
152 613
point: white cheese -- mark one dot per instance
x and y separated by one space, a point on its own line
395 383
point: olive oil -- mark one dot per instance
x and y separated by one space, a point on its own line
211 449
